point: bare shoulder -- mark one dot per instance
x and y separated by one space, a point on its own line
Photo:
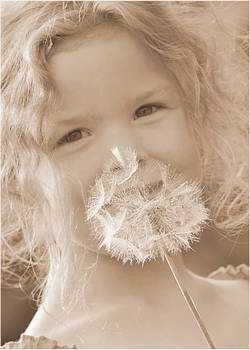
236 290
228 318
86 331
230 298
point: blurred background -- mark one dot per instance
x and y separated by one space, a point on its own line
18 309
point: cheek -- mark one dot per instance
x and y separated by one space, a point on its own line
172 142
62 182
78 169
66 190
46 176
180 150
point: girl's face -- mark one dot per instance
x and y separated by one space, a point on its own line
113 93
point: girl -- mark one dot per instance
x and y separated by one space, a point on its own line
83 83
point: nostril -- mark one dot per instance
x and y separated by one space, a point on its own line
141 162
116 169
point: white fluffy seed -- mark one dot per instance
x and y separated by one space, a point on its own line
137 221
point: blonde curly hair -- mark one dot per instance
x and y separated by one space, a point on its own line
213 84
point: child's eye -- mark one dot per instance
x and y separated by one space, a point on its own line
144 111
74 136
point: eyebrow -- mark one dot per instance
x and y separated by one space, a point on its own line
76 119
143 96
152 92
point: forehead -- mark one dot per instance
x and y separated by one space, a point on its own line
105 65
84 35
103 39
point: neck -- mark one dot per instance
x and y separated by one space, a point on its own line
115 291
110 282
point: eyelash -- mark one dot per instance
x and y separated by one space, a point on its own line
65 138
156 106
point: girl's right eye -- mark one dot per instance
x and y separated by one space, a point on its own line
74 136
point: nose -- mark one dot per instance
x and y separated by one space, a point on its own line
121 140
115 168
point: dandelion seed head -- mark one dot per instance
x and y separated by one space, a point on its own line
138 220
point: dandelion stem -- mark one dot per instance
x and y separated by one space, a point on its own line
189 302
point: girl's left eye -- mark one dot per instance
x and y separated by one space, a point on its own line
74 136
144 111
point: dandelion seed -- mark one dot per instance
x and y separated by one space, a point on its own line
138 222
